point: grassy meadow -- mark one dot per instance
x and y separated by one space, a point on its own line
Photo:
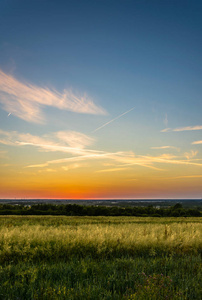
58 257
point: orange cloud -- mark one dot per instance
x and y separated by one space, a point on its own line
197 142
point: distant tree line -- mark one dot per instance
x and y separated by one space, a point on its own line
82 210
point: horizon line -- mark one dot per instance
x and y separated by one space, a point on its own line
91 199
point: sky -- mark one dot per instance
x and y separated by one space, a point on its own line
100 99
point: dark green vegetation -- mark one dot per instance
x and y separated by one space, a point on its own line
161 203
83 210
60 257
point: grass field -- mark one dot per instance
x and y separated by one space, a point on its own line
100 258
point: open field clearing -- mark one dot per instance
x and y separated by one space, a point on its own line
100 237
100 258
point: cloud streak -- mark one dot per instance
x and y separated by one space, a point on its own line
26 101
187 128
126 112
75 145
124 159
165 147
111 170
197 143
62 141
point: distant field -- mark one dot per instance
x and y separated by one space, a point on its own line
100 257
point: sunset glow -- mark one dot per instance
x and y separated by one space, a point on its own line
100 99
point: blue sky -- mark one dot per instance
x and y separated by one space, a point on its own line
115 55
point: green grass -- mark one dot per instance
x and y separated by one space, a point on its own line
100 258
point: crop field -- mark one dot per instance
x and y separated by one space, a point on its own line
56 257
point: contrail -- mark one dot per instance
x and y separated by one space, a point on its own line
113 120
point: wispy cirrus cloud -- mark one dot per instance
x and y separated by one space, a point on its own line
197 143
172 159
62 141
75 145
123 159
166 130
71 167
26 101
111 170
187 128
165 147
190 154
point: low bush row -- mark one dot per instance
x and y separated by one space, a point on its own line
83 210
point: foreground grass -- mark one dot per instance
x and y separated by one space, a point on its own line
100 258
